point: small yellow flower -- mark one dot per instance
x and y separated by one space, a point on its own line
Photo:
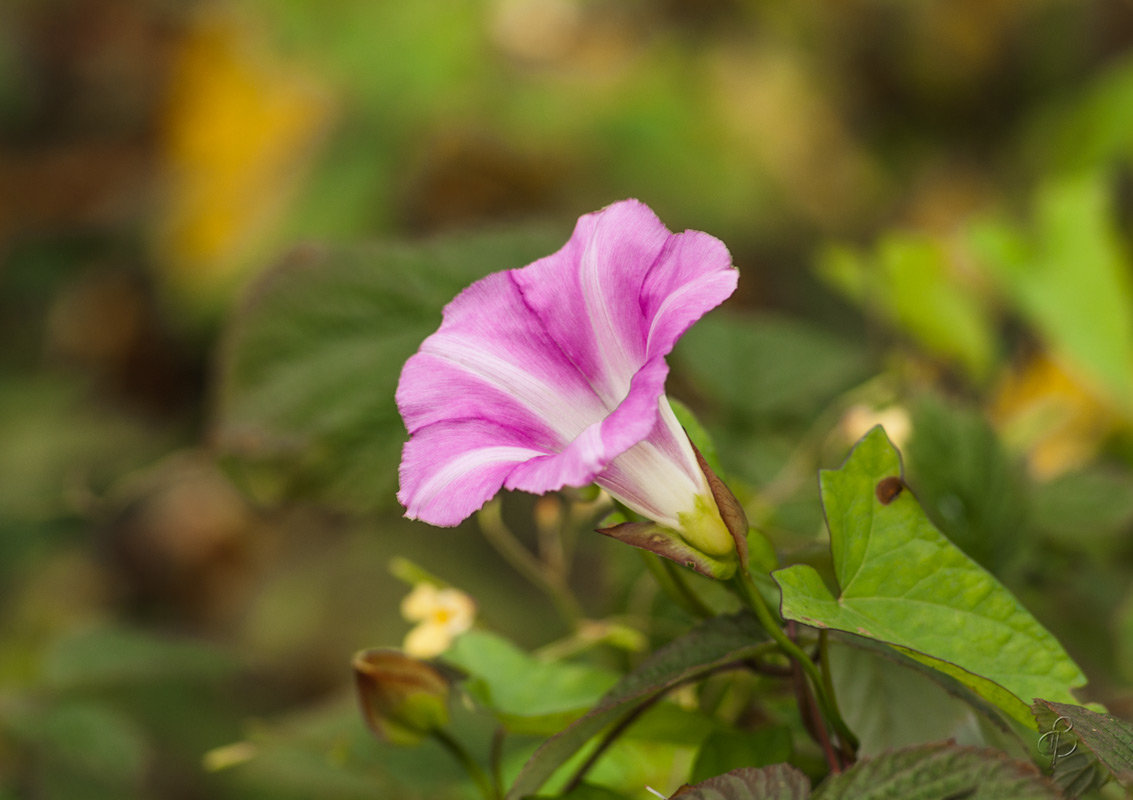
441 615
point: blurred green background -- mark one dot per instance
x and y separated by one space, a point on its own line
931 205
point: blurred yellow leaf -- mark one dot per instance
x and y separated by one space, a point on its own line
238 130
1046 412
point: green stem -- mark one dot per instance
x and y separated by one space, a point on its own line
824 661
672 582
487 787
754 600
512 550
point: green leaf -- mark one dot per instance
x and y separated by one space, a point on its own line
586 791
115 656
715 644
938 772
1093 506
778 782
43 462
767 365
910 282
903 583
1108 738
1070 279
312 358
880 724
531 696
1094 129
966 482
875 695
727 750
86 738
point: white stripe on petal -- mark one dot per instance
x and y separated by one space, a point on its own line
468 463
618 366
566 416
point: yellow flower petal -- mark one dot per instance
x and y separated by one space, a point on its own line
427 640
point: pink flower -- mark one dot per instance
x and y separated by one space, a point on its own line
553 375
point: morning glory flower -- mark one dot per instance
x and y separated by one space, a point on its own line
553 375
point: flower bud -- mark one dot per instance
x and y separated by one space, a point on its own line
403 700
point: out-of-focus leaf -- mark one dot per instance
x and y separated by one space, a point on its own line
107 656
905 584
326 751
966 481
43 461
633 761
1097 127
1123 634
587 791
767 365
880 715
727 750
531 696
778 782
312 359
86 738
875 696
939 772
1108 738
716 643
909 283
1089 506
1071 279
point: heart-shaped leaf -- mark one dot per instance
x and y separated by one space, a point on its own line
903 583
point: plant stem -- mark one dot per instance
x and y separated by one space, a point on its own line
754 600
512 550
487 787
672 582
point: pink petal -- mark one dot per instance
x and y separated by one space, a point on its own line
543 377
623 290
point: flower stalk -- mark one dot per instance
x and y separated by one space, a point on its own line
488 788
748 592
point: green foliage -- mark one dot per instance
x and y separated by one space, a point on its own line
715 644
967 483
528 695
1092 506
768 367
901 582
931 772
43 462
938 772
311 362
725 750
1108 739
778 782
875 694
1069 269
980 212
102 657
84 742
910 282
